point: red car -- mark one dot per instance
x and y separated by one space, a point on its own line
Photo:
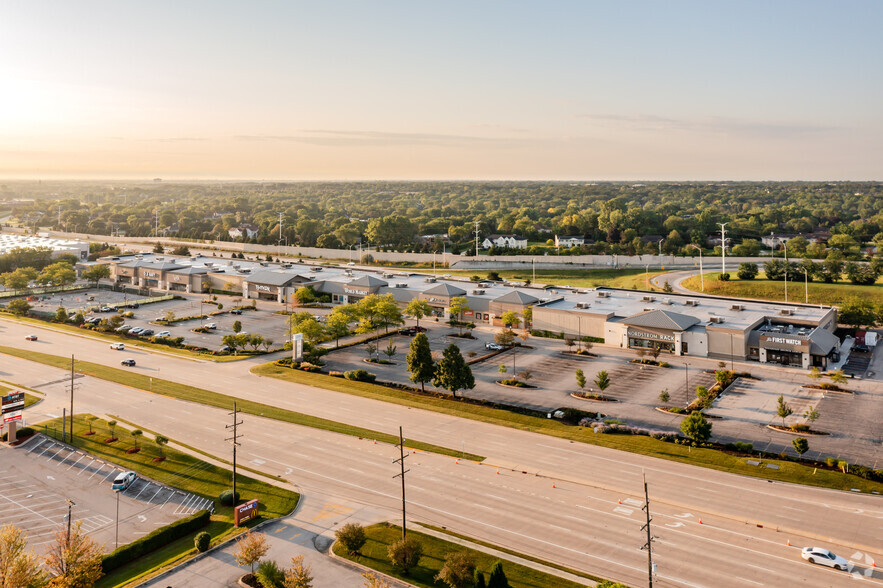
31 338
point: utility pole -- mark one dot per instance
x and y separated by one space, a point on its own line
280 227
785 245
157 222
687 378
72 386
70 505
648 545
234 440
401 462
117 538
476 238
723 247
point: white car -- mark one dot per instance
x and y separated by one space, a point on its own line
118 346
164 334
211 326
124 480
820 555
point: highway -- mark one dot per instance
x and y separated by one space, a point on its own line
577 505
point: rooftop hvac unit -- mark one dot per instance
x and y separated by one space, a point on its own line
315 269
737 307
649 309
692 303
347 272
648 299
160 258
603 294
478 292
582 305
401 285
666 301
245 271
430 280
716 319
388 275
786 312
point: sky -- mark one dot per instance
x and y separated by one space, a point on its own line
472 90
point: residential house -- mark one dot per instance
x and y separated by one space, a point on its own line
244 230
504 241
569 241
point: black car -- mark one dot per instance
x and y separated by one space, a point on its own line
128 362
410 331
236 311
146 333
861 348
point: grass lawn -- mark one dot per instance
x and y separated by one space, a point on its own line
30 399
834 294
788 471
181 471
209 398
381 536
581 278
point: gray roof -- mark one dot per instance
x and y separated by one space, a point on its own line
662 319
516 297
368 282
271 278
445 289
821 342
191 269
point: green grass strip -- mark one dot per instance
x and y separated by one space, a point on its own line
788 471
218 400
506 550
381 536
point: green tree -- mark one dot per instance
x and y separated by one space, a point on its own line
801 445
858 312
783 411
417 309
19 307
19 278
352 537
305 295
404 554
811 414
580 379
664 396
509 318
299 575
307 325
602 380
390 350
135 434
160 442
269 574
505 337
111 426
838 377
419 360
747 271
61 315
337 325
498 578
458 570
99 271
696 427
457 308
18 568
202 541
452 372
250 548
479 577
815 374
58 274
237 326
74 562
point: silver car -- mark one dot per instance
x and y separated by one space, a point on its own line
820 555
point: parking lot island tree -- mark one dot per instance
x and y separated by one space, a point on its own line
237 326
18 566
405 553
417 309
783 410
696 427
251 547
299 575
352 537
602 380
580 379
420 363
801 445
73 559
337 324
452 373
306 324
457 309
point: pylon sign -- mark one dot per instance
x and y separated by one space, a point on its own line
12 406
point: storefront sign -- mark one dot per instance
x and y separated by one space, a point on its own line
261 287
784 343
245 512
468 313
151 275
653 336
357 292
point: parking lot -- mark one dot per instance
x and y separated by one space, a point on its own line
40 476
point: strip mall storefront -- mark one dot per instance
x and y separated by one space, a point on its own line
648 339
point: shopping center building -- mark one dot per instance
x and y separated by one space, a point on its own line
689 325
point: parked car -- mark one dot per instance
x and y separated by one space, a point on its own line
136 331
225 348
164 334
106 309
410 331
861 348
820 555
118 346
420 329
124 329
494 346
93 320
31 338
124 480
236 311
146 333
128 362
211 326
134 305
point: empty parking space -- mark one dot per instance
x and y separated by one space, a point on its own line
38 479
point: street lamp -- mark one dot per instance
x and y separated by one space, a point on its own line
785 245
70 505
117 537
701 277
805 286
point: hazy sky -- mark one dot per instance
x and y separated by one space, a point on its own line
441 90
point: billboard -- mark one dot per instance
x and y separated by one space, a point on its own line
245 512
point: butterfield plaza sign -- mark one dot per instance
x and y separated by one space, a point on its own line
245 512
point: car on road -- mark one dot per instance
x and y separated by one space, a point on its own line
861 348
494 346
236 311
136 330
211 326
820 555
124 480
128 362
118 346
164 334
31 338
146 333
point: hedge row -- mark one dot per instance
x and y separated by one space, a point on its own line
153 541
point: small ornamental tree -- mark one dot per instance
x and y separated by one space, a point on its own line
497 579
811 414
580 379
801 445
250 548
160 442
838 377
90 419
696 427
372 581
237 326
404 554
18 307
602 380
111 425
664 396
458 570
135 434
452 373
815 374
390 350
18 567
417 309
505 337
352 537
299 575
420 363
61 315
783 411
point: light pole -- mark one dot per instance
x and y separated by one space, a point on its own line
687 378
785 245
723 247
70 505
805 286
701 277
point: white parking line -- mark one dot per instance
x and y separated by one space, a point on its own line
146 486
76 462
48 447
86 467
37 445
96 471
112 470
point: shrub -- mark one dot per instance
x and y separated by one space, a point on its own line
202 541
269 574
22 433
799 427
724 277
664 364
744 447
360 375
154 540
226 497
405 554
352 537
830 462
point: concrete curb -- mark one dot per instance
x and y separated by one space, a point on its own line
365 569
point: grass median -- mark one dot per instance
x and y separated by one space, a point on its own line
178 470
218 400
788 471
381 536
836 293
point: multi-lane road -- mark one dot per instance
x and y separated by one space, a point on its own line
577 505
